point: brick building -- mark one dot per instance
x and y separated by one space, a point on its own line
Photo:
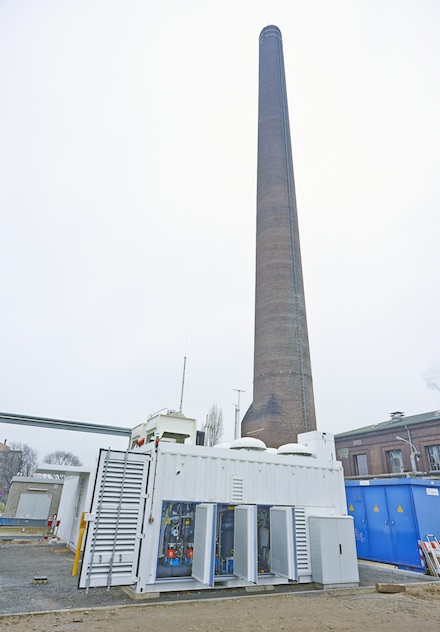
399 445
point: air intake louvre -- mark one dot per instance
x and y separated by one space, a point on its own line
302 552
237 489
112 541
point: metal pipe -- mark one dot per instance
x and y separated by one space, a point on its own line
413 454
62 424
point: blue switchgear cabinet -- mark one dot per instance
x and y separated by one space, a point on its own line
391 515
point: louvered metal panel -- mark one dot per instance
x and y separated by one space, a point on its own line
112 540
237 489
302 549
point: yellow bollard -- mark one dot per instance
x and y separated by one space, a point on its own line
82 528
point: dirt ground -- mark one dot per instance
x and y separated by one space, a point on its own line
359 610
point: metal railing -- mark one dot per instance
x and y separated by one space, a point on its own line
28 528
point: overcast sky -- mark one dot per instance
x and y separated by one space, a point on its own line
128 136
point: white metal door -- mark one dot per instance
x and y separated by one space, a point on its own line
204 543
282 542
36 506
245 543
347 546
113 534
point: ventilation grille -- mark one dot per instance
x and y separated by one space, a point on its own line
237 489
302 552
112 542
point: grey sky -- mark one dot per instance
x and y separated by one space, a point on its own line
128 136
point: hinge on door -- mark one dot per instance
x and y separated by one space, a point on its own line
141 536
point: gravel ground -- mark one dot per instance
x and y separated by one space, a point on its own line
20 563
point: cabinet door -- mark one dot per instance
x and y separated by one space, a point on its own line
379 527
245 542
403 525
282 542
324 545
204 543
347 548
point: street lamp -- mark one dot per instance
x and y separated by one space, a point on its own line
414 453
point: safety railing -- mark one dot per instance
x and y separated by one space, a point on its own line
28 528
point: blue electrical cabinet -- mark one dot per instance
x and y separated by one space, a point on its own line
391 515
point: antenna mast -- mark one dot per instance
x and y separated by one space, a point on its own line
183 384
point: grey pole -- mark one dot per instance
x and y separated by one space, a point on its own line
237 431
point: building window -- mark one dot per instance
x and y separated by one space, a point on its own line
360 465
395 461
433 457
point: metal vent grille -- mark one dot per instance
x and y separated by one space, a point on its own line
237 489
112 542
302 551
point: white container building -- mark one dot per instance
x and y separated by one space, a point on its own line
171 516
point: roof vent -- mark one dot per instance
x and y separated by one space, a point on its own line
397 415
296 449
248 443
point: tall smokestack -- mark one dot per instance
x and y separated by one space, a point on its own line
283 403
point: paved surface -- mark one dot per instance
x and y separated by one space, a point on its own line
20 563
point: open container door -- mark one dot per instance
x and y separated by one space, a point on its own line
245 543
113 535
204 544
282 542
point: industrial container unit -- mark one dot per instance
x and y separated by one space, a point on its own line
171 517
391 516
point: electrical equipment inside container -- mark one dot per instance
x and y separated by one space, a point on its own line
263 538
176 540
224 550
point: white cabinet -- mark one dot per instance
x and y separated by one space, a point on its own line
333 548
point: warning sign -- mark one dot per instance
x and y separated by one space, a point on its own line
376 509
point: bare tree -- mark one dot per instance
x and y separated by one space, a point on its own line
213 427
59 457
29 458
